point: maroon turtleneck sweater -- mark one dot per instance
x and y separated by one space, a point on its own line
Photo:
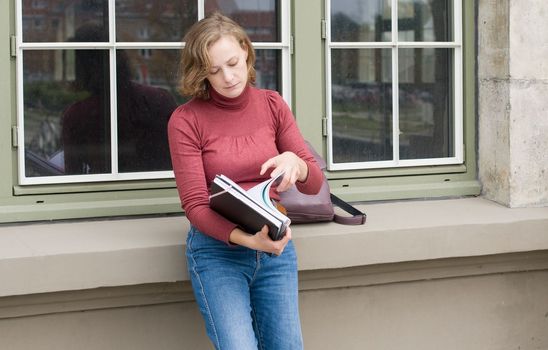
234 137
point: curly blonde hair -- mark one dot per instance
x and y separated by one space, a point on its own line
195 61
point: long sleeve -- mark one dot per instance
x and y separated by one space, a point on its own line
188 167
289 138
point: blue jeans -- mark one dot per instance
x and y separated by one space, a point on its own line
249 299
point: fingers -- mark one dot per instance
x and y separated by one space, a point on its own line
264 231
267 165
289 179
284 162
288 233
266 243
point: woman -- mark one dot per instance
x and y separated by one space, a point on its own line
244 282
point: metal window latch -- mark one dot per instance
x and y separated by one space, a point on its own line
291 45
13 46
14 136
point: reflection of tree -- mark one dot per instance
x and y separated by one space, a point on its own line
346 60
361 99
424 84
442 137
346 28
431 85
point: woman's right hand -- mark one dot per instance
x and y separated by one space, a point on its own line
260 241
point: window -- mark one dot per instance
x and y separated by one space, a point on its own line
394 83
97 81
416 142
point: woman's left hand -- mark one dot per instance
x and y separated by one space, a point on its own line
293 167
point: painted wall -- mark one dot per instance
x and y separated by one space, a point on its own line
496 302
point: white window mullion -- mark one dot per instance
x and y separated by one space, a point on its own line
19 87
457 22
458 83
201 9
113 113
113 90
286 55
395 86
361 45
149 45
328 92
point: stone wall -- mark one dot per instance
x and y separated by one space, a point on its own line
512 103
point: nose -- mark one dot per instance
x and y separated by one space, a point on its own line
227 75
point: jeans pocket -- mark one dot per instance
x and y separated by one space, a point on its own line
197 241
189 238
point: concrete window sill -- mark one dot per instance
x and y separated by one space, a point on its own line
53 257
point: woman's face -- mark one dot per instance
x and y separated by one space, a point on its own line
228 73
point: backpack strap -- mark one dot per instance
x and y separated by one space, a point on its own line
358 217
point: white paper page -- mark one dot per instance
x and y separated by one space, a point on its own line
261 192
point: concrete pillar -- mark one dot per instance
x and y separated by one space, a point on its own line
512 101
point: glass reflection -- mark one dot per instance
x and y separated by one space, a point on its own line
154 21
146 86
66 112
268 69
361 105
260 19
58 20
421 20
360 20
67 109
425 103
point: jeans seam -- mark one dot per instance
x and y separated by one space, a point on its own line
258 261
258 333
206 304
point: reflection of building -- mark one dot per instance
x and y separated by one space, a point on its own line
50 74
139 21
261 24
53 21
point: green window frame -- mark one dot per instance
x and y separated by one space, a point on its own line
307 94
381 183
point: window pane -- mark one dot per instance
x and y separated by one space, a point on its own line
421 20
425 103
360 20
149 21
260 19
57 21
269 71
361 105
146 81
66 112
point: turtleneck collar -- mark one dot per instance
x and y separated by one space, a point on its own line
229 102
